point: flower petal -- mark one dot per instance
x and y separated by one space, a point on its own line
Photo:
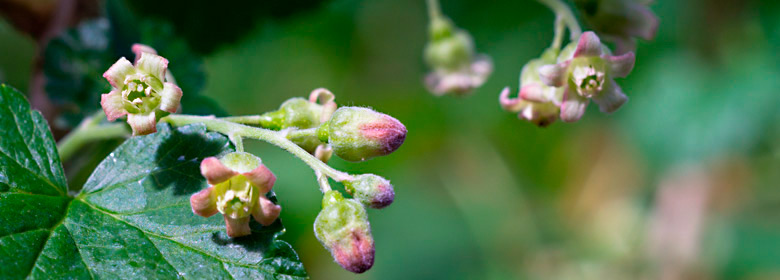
142 124
323 152
112 105
481 68
237 227
620 66
214 171
611 98
510 104
116 73
325 98
643 22
153 64
138 49
554 75
266 211
261 177
170 97
204 203
573 106
588 45
533 92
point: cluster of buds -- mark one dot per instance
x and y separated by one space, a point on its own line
456 67
620 21
140 90
239 183
564 85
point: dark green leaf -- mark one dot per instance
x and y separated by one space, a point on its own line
132 218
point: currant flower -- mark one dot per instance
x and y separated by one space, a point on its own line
358 134
456 67
536 102
239 184
301 113
342 227
140 91
586 70
620 21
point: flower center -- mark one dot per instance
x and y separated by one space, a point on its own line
235 197
588 79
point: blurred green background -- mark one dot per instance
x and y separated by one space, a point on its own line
683 182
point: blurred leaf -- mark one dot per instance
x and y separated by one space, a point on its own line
207 26
133 219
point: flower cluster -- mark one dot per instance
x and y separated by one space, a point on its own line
450 52
140 90
562 86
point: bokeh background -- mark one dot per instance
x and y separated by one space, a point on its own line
683 182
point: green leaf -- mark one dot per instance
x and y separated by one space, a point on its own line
132 218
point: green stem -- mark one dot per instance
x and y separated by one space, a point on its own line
274 137
559 30
256 120
300 133
433 9
562 11
89 130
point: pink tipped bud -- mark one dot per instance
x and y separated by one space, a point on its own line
358 134
342 227
371 190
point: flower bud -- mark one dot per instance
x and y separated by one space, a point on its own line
301 113
342 227
140 90
239 184
358 134
371 190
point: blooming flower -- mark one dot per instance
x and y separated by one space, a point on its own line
620 21
450 52
536 102
586 70
140 90
239 184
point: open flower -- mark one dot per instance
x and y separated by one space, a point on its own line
586 70
139 90
239 184
536 102
456 68
620 21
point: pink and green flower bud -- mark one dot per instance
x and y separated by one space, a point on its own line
536 102
239 184
371 190
586 70
342 227
358 134
140 90
456 67
620 21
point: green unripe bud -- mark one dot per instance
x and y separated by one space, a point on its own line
358 134
371 190
451 52
342 227
295 112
